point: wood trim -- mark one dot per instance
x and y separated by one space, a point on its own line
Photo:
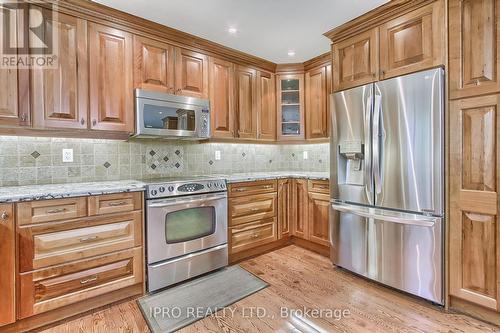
64 133
292 68
257 251
315 247
374 18
8 265
474 310
319 61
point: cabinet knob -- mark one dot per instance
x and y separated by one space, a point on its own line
23 117
94 122
82 121
4 216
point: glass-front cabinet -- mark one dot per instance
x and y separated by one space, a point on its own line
290 100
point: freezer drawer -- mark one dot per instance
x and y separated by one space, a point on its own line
400 250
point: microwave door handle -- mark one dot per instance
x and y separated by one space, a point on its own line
377 115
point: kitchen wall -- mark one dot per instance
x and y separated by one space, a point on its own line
31 160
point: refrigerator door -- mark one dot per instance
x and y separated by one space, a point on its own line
408 142
351 173
401 250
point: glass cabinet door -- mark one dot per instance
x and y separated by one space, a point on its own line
291 107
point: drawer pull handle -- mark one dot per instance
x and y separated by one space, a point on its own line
88 239
241 189
4 216
323 187
255 235
55 211
268 186
119 203
254 209
91 279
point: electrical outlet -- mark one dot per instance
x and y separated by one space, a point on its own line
217 155
305 155
67 155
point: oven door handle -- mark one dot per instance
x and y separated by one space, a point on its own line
168 203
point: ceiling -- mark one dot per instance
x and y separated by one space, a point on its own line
268 29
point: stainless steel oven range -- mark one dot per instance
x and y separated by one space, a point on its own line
186 229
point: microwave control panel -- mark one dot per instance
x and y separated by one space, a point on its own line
205 124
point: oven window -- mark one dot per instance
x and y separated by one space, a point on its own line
188 224
164 117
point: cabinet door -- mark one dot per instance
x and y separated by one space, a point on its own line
153 65
221 98
319 210
413 42
266 114
191 73
316 104
60 96
290 104
355 60
111 85
329 90
246 102
14 83
474 33
284 207
8 265
474 247
300 208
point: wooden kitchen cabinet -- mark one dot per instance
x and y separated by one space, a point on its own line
316 92
300 209
284 207
413 42
222 104
111 79
8 265
266 109
474 179
14 85
191 73
60 96
318 219
290 104
246 209
474 45
246 102
153 65
356 60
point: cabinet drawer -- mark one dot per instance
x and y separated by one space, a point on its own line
250 188
252 208
56 243
51 210
54 287
253 234
115 203
318 186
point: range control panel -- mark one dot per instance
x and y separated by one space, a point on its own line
171 189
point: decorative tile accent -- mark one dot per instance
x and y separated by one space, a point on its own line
210 162
35 154
153 166
166 158
177 152
107 165
177 165
243 154
152 153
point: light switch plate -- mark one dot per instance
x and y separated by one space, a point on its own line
67 155
217 155
305 155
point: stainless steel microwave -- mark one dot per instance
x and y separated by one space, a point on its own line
165 116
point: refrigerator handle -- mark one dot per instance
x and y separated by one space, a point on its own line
367 148
377 115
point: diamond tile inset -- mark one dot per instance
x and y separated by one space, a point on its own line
210 162
152 153
166 158
107 165
35 154
293 154
153 166
243 154
270 161
177 152
177 165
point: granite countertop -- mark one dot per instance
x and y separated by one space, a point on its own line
58 191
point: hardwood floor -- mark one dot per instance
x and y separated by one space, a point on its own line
299 278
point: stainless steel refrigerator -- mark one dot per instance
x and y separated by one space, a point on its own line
387 175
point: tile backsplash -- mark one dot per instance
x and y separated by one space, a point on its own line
33 160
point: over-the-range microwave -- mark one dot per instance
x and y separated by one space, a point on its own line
165 116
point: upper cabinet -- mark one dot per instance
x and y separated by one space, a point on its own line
266 109
474 34
246 102
153 65
191 73
356 60
290 103
317 94
413 42
14 85
60 96
110 79
221 82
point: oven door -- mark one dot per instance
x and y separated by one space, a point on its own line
185 225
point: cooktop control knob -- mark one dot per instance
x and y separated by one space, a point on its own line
209 185
170 188
154 192
162 189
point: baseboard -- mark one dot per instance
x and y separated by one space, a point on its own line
54 317
320 249
473 310
257 251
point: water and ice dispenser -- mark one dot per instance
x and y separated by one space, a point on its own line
350 162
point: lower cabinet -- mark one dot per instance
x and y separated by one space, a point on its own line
253 234
7 265
284 207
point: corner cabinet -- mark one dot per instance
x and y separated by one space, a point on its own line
355 60
474 47
290 104
110 79
8 265
317 94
